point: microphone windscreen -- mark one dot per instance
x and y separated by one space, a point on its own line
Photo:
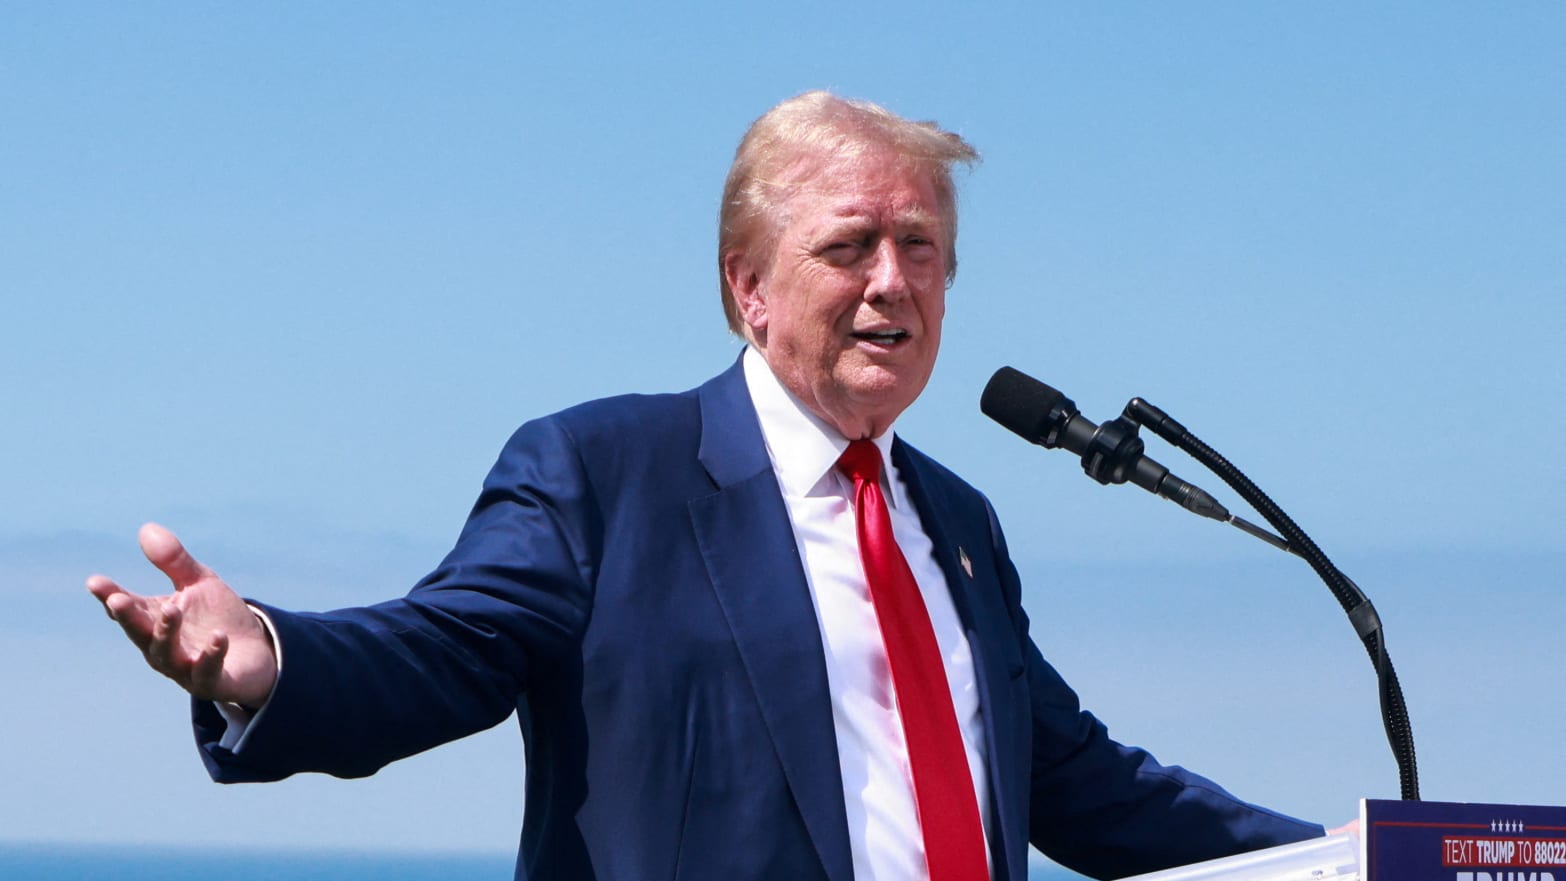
1023 404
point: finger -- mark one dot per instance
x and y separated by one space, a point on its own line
164 551
137 616
207 673
165 638
103 587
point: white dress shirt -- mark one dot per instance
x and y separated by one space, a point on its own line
883 822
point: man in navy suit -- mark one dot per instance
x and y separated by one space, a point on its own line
669 592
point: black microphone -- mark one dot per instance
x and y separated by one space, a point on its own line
1111 453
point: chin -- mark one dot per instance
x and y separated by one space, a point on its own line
884 393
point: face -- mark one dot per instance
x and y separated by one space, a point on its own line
847 310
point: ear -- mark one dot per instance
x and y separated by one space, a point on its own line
744 280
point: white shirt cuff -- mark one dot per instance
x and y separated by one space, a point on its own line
242 719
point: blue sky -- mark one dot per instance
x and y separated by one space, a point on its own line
284 279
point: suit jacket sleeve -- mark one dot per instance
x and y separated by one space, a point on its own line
375 684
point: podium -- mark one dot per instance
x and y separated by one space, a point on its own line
1333 858
1409 840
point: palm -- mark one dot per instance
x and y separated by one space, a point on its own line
203 635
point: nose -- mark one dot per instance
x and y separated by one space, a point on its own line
888 279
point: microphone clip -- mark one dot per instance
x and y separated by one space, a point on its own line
1113 451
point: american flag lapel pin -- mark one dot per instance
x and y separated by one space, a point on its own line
962 557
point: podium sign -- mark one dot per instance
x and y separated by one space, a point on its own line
1409 841
1442 841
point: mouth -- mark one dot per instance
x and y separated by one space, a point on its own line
881 337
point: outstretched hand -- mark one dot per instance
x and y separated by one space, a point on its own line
203 635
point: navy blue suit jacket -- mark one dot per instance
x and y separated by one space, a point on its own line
628 584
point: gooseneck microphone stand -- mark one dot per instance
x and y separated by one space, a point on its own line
1361 613
1113 453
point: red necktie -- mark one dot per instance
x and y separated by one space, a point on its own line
943 787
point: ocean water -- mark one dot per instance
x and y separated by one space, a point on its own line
28 862
71 862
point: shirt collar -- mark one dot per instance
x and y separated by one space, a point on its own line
803 447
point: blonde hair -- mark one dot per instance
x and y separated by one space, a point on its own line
820 124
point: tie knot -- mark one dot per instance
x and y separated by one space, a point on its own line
861 461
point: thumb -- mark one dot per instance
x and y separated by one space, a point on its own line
164 551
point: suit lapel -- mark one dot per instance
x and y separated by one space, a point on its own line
748 546
976 596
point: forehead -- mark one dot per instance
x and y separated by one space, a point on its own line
877 185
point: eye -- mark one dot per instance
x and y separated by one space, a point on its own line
920 247
841 253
